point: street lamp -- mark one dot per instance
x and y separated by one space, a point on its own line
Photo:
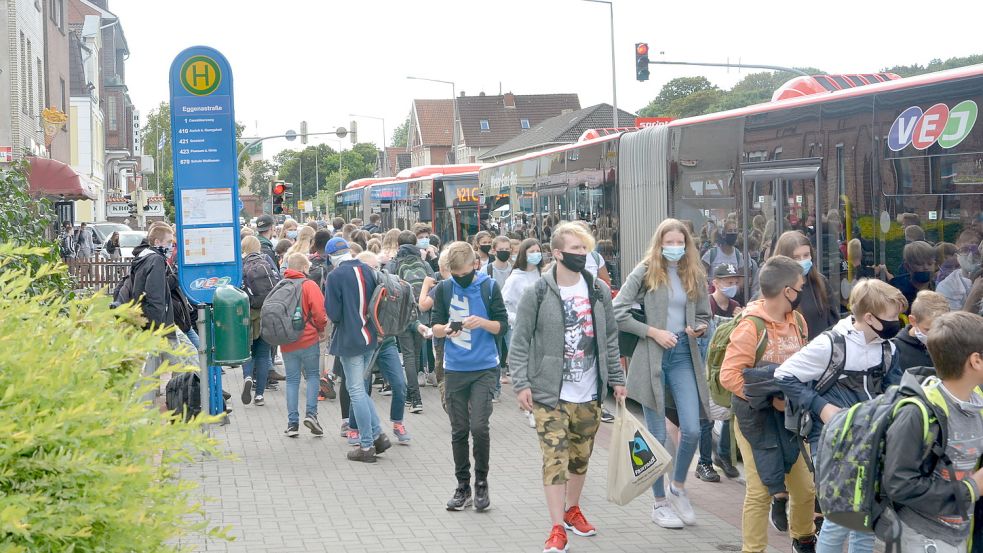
385 154
614 81
453 102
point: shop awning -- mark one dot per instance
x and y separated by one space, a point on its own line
49 177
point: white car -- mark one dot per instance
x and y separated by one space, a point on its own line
128 240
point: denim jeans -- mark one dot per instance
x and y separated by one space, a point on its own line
706 441
679 380
258 366
503 349
362 408
392 371
308 361
193 336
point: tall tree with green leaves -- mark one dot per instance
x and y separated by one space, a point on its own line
401 134
673 90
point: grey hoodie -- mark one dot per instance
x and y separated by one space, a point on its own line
536 351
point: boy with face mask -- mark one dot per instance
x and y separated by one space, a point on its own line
869 365
911 341
726 252
956 286
727 283
469 312
918 270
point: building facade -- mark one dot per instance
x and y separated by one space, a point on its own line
22 86
56 75
86 122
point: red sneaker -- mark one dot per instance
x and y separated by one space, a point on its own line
557 542
574 520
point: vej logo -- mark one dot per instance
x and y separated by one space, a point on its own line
641 454
938 123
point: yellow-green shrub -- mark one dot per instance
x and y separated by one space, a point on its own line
84 464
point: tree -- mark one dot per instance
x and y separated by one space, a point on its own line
156 140
673 90
401 134
697 103
263 173
934 65
324 170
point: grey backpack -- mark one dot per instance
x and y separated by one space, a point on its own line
281 319
393 305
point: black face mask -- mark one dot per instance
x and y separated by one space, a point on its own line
920 277
730 239
486 249
464 280
574 261
889 329
503 256
797 300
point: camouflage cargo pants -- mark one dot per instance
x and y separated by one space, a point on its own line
566 436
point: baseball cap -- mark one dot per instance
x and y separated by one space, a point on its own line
727 270
335 245
264 223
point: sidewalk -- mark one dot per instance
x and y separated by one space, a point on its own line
302 495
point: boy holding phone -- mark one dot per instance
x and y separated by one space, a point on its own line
469 312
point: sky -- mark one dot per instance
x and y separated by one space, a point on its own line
321 60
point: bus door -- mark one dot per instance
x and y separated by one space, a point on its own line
781 196
458 220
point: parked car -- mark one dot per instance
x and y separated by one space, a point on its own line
128 240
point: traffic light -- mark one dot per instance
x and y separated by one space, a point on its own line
642 61
277 191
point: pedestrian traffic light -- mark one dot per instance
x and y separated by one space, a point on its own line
642 61
277 191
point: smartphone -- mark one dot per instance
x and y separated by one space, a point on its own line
457 326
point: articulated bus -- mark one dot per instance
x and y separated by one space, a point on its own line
838 163
446 196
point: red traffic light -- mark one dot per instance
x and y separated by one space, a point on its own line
279 188
642 49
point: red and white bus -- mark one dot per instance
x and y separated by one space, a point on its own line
837 162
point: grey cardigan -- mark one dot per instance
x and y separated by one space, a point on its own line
536 350
645 367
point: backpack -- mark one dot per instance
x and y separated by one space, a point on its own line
279 323
849 456
66 246
718 349
413 270
258 280
393 305
123 293
183 395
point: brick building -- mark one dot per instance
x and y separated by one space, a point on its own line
21 79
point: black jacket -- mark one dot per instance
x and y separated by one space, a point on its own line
911 352
371 228
909 478
149 270
266 247
817 318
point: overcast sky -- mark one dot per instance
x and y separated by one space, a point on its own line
319 60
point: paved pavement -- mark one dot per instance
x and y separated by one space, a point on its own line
302 495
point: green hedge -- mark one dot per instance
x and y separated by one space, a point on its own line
85 465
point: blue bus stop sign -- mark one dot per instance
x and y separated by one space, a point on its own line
206 176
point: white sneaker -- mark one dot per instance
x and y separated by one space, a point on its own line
532 419
663 515
680 505
432 379
259 401
421 379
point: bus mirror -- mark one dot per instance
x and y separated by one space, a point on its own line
425 208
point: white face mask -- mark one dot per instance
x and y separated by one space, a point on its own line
922 337
729 291
341 258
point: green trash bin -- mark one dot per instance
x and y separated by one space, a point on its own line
231 334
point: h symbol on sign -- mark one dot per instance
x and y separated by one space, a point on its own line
195 75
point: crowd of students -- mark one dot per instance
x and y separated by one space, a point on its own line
487 318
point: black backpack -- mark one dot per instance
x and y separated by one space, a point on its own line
123 293
183 395
258 279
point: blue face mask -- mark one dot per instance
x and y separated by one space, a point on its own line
729 291
806 265
292 234
673 253
423 243
534 258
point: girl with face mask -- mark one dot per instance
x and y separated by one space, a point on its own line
819 302
670 285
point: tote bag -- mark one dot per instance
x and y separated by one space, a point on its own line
637 458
